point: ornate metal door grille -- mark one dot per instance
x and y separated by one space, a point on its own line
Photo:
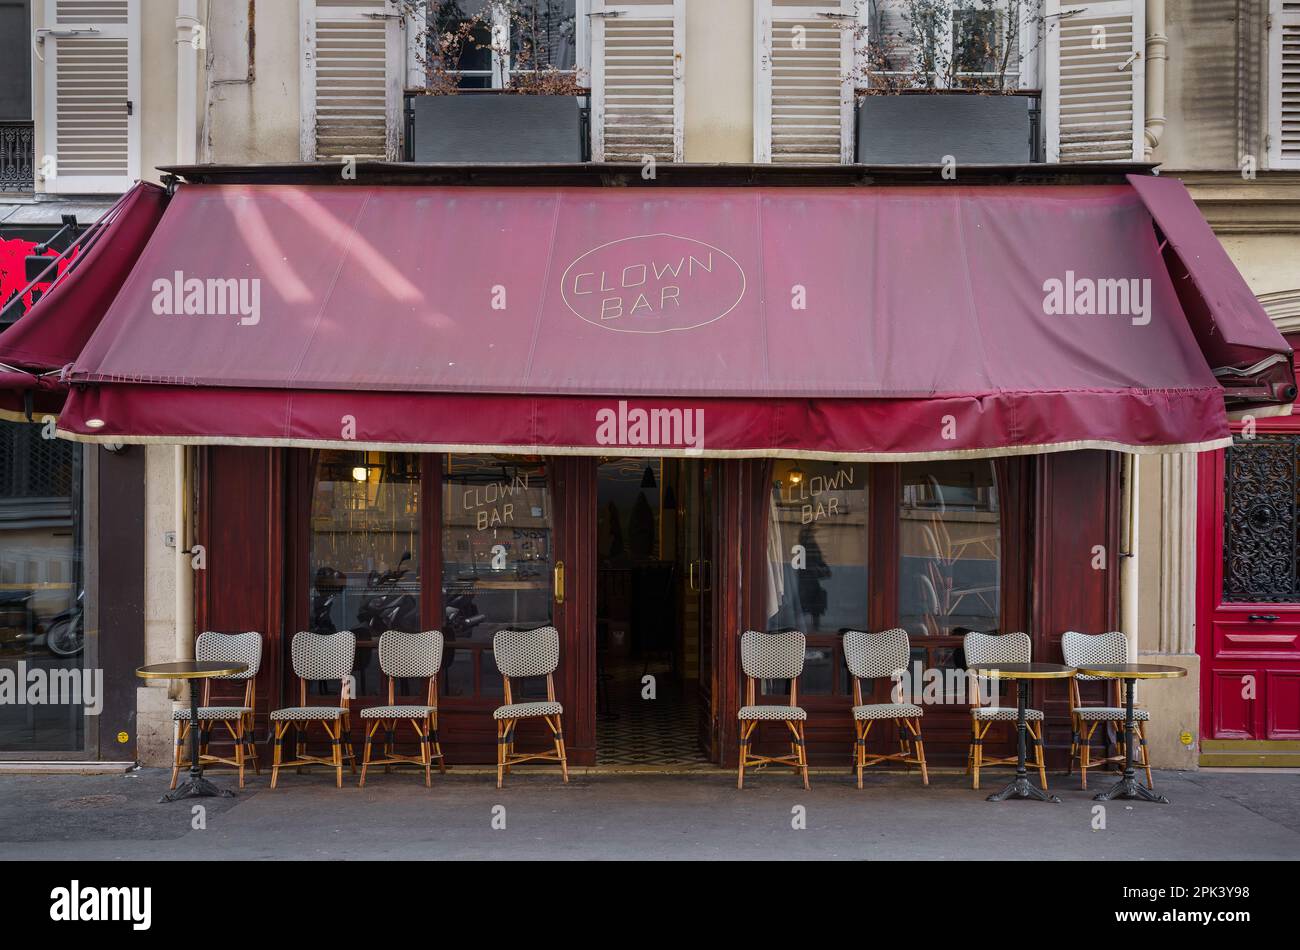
1259 531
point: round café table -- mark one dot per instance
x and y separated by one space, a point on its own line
1022 673
196 786
1130 673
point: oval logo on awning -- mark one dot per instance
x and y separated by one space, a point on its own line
653 283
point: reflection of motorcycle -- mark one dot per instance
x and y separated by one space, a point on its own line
462 617
393 610
328 583
65 635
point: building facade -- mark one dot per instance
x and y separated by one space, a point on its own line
121 88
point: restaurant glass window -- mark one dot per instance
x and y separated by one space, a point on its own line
42 628
497 560
365 550
950 544
459 43
817 563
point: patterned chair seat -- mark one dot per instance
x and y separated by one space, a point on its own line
1110 714
778 713
217 712
887 711
398 712
1004 714
308 713
527 710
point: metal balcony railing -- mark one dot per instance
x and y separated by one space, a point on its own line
17 155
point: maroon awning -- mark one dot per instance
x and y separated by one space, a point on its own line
52 333
1244 348
888 322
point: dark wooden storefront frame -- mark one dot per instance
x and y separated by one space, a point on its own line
1057 509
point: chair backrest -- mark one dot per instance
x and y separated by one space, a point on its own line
983 649
323 656
231 648
772 656
527 652
874 655
403 654
1083 649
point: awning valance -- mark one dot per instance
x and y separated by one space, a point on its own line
889 322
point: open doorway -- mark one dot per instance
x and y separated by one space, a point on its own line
653 636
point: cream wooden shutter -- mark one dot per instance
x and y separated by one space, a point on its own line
353 62
1094 87
803 81
91 94
637 71
1284 84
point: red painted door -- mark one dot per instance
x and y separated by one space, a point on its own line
1248 627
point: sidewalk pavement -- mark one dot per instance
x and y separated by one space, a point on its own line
1215 815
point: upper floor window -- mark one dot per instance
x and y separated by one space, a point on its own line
1284 84
953 44
498 44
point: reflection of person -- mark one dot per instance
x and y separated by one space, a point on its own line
812 596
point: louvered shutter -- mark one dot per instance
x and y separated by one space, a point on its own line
353 64
637 70
1093 93
92 96
1284 85
803 81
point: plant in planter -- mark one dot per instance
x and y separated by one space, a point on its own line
525 47
937 80
946 45
502 83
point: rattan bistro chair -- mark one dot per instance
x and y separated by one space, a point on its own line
407 656
237 719
1082 649
772 656
983 649
522 654
873 656
318 656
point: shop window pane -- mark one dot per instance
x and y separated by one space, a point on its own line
817 559
41 604
497 554
365 550
950 543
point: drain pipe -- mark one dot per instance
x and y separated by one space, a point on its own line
1157 52
1129 573
187 77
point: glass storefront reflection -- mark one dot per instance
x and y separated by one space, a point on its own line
817 561
42 604
950 543
497 560
365 550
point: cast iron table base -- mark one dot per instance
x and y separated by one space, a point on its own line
1020 786
1129 787
196 786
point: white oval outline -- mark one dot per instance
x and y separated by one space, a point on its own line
564 281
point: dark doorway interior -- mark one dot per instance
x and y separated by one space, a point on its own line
649 625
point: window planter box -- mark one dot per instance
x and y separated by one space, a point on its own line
921 128
474 127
